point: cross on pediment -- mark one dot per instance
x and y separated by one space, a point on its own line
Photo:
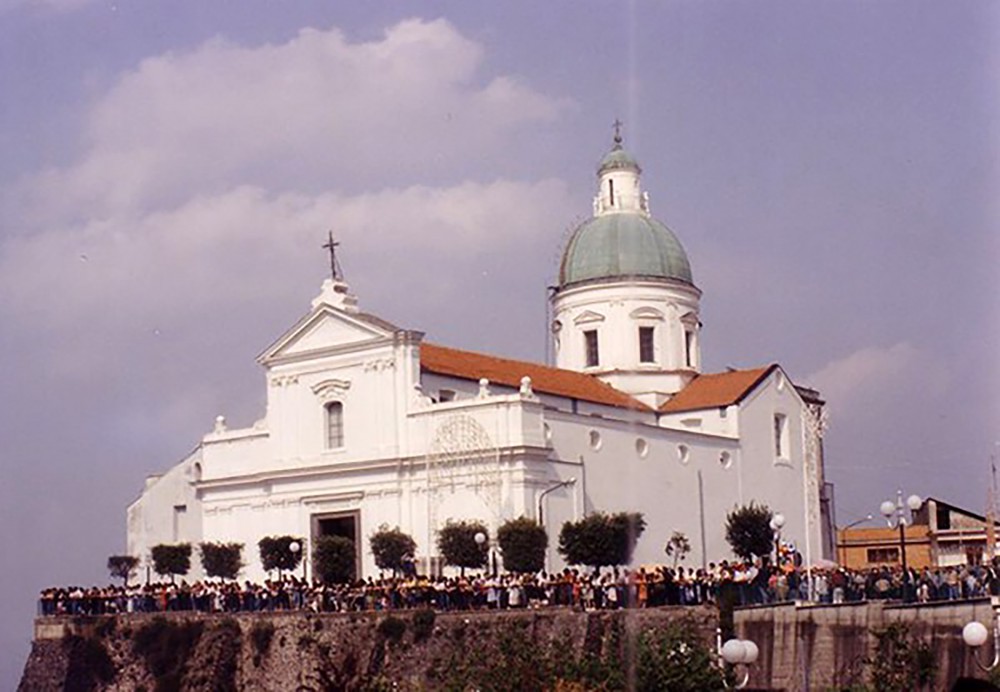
331 245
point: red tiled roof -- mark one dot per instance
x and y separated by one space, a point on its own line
468 365
716 389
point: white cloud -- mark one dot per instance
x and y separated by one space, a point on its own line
313 113
865 379
107 281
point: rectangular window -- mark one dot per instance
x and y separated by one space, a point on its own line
446 395
334 425
179 513
646 354
781 435
877 555
689 348
593 356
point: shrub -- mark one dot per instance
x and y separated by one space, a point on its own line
423 624
122 566
171 559
166 647
601 539
901 663
523 542
393 629
457 544
749 532
334 559
260 637
222 560
391 548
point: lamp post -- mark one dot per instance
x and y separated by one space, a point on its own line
777 521
541 497
867 517
296 547
895 517
975 634
481 538
736 652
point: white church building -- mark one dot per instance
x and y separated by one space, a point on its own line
367 424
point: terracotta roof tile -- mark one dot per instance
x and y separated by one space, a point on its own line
469 365
715 390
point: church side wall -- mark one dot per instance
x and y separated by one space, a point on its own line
168 511
662 482
779 480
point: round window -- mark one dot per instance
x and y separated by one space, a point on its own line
595 440
641 448
726 459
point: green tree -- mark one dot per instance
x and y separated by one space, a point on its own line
601 539
677 547
171 560
901 663
523 542
749 532
456 541
334 559
222 560
122 566
391 548
276 553
676 658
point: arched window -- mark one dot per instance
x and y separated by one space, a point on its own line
334 425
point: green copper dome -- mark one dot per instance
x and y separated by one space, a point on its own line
623 245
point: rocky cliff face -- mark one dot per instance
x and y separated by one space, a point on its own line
365 651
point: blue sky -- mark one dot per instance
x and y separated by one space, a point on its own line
170 169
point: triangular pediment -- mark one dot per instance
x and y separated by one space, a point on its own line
327 329
588 316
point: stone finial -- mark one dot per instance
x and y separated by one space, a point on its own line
526 386
220 424
484 388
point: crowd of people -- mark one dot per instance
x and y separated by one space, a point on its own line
736 583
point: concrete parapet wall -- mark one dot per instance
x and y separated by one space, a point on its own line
822 647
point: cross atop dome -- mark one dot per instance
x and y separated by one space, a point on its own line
617 125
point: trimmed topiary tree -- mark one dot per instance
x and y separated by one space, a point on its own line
222 560
391 548
523 542
749 532
276 553
171 560
600 539
122 566
334 559
456 542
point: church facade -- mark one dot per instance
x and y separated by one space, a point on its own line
368 424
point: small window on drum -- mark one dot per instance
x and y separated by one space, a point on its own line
642 448
725 460
683 453
647 353
590 344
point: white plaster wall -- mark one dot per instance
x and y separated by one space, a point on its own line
151 518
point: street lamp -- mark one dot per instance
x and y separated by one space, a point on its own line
895 517
296 547
777 521
541 496
480 538
843 539
737 652
975 635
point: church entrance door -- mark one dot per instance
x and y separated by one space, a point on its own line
344 524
